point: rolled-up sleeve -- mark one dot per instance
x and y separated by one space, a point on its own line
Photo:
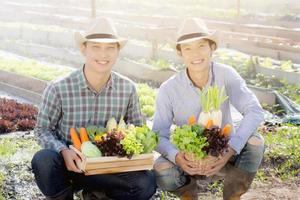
47 120
163 119
247 104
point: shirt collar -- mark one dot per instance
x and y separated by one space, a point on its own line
189 82
85 85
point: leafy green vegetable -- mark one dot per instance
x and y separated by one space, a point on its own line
142 136
147 138
93 131
199 129
90 150
188 141
131 145
212 98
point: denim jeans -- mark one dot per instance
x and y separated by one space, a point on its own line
53 179
248 160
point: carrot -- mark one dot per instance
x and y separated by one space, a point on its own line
209 124
83 135
192 120
75 138
186 196
226 130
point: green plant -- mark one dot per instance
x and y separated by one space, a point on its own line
7 147
267 62
282 152
2 178
147 97
275 109
287 65
33 69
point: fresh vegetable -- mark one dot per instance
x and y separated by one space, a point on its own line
110 144
192 120
131 145
218 97
209 123
99 137
199 129
147 138
188 141
206 106
226 130
217 143
111 125
75 139
122 125
90 150
94 131
211 101
83 135
144 136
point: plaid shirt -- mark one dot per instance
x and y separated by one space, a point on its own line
70 102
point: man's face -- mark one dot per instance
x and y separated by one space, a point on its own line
197 54
100 57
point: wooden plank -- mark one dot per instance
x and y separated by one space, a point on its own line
113 158
119 169
128 163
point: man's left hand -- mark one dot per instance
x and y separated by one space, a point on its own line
213 168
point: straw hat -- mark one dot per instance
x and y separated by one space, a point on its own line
99 30
193 29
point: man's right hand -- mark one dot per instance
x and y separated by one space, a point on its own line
71 158
187 166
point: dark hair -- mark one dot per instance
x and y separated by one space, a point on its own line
210 42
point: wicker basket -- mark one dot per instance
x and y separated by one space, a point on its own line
202 163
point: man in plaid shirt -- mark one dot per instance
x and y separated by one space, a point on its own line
89 96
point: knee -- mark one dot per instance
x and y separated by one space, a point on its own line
256 141
45 159
168 176
256 146
251 157
145 185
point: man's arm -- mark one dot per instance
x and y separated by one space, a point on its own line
163 119
47 119
247 104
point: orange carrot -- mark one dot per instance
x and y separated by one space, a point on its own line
75 139
186 196
209 123
226 130
192 120
83 135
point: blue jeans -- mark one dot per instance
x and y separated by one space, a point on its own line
171 177
54 180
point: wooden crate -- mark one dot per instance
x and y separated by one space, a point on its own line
113 164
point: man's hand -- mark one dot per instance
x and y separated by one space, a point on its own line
71 160
187 166
215 167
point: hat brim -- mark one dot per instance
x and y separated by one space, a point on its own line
212 36
80 39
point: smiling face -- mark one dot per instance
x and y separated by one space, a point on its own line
197 54
100 57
